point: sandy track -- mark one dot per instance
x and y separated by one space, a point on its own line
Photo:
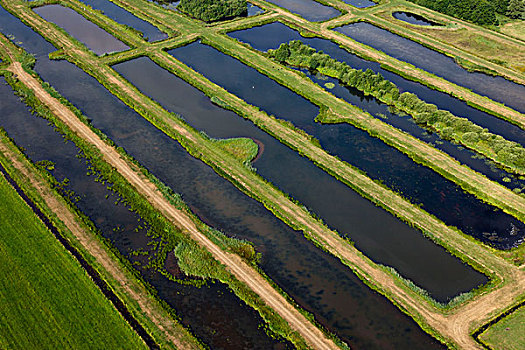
235 264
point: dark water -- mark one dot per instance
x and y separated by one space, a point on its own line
421 185
212 312
94 37
496 88
360 3
407 124
381 236
308 9
254 10
270 36
23 36
413 18
118 14
318 281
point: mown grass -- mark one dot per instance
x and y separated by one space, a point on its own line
46 299
514 29
499 52
508 333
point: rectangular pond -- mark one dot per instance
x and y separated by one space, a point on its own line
118 14
308 9
496 88
94 37
360 3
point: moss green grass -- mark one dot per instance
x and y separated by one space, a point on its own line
46 299
508 333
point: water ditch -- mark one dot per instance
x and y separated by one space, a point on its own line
94 37
308 9
360 3
120 15
212 312
496 88
413 18
421 185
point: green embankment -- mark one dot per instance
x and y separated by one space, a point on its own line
507 334
46 299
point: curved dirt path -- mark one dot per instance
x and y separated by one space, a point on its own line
235 264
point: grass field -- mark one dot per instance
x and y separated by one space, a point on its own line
507 334
475 42
47 300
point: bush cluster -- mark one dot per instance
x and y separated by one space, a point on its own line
446 124
213 10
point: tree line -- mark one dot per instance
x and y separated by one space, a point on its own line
446 124
476 11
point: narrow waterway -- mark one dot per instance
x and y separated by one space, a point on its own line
118 14
94 37
308 9
496 88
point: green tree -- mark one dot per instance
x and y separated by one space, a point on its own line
516 9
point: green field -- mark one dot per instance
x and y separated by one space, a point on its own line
507 334
47 301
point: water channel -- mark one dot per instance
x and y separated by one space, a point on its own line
308 9
95 38
413 18
496 88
